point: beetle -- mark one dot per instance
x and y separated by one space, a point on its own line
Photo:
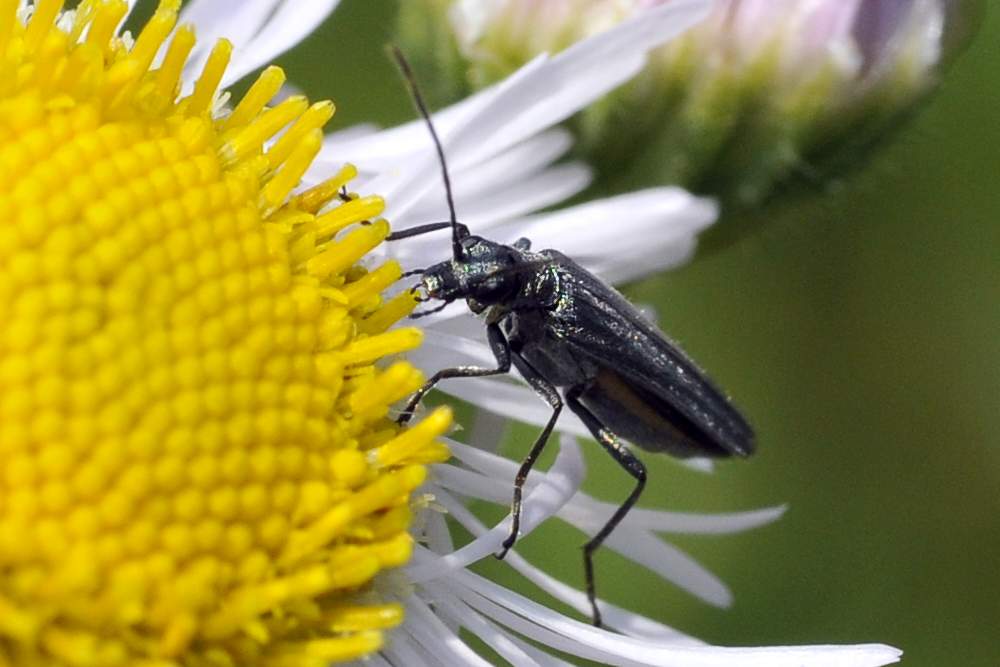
580 344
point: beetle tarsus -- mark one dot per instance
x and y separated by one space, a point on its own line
506 545
425 313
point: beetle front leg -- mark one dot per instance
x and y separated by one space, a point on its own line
547 391
501 350
612 445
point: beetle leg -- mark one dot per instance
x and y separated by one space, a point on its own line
626 460
501 350
425 313
547 391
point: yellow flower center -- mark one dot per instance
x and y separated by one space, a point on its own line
196 464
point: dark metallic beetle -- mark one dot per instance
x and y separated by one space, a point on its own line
565 329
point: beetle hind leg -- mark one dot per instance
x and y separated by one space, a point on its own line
632 465
547 391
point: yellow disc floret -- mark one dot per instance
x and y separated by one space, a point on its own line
196 464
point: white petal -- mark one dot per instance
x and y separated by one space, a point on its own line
616 270
213 20
505 398
560 483
622 620
666 560
503 187
619 237
290 24
436 532
524 158
408 182
516 199
502 470
447 647
541 624
639 546
686 522
614 617
453 351
352 133
494 637
385 149
452 609
259 29
405 646
495 486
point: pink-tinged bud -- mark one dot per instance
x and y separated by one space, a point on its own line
758 95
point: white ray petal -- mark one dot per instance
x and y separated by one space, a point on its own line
260 30
500 188
688 523
614 617
430 631
436 532
478 209
502 470
622 620
537 622
290 23
237 22
616 238
494 637
560 483
639 546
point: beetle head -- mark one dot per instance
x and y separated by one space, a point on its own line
483 272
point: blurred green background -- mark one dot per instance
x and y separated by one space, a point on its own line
859 330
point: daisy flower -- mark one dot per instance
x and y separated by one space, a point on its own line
197 465
198 363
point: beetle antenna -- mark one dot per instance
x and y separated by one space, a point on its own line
418 100
417 231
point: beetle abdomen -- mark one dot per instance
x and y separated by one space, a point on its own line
646 420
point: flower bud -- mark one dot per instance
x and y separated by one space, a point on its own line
757 95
